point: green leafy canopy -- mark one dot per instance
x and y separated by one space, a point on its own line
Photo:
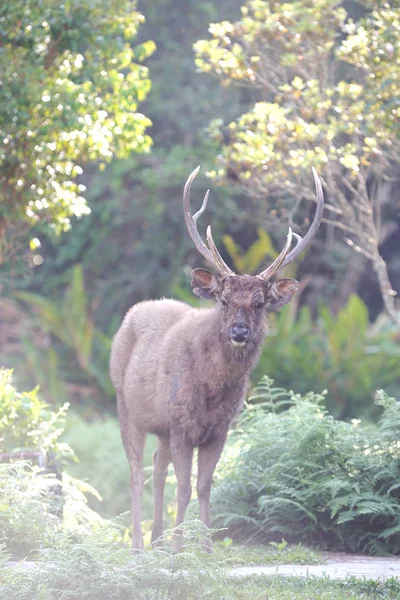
332 86
70 86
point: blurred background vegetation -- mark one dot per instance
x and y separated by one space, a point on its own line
103 114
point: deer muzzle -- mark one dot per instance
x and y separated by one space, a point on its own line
239 334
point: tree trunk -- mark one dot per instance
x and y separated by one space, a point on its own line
388 293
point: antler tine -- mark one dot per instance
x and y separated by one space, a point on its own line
267 274
306 241
219 261
286 257
298 238
191 221
211 254
202 208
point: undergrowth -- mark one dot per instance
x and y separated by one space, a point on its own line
29 509
294 471
276 455
313 588
99 567
273 553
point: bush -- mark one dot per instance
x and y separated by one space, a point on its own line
34 495
26 422
340 353
304 475
29 509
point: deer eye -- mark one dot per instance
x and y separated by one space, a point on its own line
224 303
260 304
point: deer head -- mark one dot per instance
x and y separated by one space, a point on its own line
244 299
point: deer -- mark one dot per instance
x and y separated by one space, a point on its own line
182 372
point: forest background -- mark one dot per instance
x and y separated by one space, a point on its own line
68 275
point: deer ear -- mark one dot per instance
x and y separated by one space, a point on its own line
204 284
281 292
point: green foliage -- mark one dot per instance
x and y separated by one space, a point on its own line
69 322
313 588
303 475
85 556
27 517
134 244
98 568
327 91
340 353
251 260
314 118
71 85
273 553
103 463
30 504
26 422
29 496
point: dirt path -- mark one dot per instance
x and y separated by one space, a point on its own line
337 566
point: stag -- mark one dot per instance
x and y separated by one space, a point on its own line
182 373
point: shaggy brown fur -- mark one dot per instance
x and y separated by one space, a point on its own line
182 374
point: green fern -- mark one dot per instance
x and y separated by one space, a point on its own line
303 475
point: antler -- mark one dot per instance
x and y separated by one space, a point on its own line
211 253
285 256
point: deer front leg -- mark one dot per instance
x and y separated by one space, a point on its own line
161 460
209 454
182 456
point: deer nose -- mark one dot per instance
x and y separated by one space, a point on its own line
239 332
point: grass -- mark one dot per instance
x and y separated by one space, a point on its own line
100 567
105 466
265 554
312 588
156 576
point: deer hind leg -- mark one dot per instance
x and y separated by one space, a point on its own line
209 454
135 457
133 441
161 460
182 457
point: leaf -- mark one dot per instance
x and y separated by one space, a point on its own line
235 253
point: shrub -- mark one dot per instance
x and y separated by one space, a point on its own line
304 475
30 499
340 353
26 422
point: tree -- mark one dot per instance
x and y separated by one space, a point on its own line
329 92
69 92
134 244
